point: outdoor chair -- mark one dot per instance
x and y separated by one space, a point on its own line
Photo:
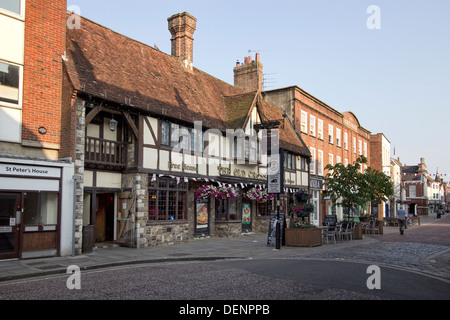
374 227
329 233
345 231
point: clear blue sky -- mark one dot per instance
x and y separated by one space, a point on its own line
395 79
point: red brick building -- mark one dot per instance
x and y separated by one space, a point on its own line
36 185
332 137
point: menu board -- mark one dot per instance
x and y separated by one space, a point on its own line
331 220
272 239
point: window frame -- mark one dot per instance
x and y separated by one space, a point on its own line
320 162
330 134
19 103
312 125
162 191
20 15
304 121
320 129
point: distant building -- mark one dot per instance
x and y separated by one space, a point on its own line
380 159
415 181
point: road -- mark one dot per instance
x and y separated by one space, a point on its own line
325 273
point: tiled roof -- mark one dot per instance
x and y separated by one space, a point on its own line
113 67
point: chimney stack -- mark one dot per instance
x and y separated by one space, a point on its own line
182 27
249 76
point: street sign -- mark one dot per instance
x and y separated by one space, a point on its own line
274 177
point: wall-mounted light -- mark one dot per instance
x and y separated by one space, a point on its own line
113 124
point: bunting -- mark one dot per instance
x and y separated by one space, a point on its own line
220 184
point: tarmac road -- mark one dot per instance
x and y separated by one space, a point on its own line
419 259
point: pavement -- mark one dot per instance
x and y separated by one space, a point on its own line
430 258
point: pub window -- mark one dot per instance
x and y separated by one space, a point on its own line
228 209
9 83
289 161
167 200
263 209
165 133
303 163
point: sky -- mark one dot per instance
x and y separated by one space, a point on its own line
388 64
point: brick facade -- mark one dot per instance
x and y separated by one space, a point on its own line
45 40
331 136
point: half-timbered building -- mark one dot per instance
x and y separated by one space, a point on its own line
153 137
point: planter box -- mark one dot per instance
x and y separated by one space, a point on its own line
357 232
303 237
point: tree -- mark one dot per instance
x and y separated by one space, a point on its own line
379 186
352 187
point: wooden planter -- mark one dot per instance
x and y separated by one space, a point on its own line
357 232
303 237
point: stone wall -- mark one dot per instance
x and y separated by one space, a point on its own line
166 233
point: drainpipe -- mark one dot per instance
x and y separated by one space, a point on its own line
75 179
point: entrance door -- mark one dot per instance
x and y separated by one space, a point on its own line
9 225
104 219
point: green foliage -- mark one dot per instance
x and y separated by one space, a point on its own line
352 187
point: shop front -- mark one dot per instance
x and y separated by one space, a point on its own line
36 208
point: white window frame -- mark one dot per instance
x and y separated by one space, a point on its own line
313 160
312 125
330 134
338 137
345 140
20 15
320 129
320 162
338 159
360 147
354 144
304 122
20 100
365 149
346 162
331 159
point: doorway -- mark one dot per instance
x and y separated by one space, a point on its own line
10 210
104 218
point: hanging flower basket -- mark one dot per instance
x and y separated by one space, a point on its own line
226 193
258 195
302 197
206 192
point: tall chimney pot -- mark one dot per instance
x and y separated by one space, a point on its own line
182 27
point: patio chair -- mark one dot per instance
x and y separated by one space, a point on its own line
345 231
374 227
329 233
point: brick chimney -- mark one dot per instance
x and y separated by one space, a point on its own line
182 27
249 75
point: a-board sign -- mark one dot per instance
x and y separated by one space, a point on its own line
272 239
330 220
